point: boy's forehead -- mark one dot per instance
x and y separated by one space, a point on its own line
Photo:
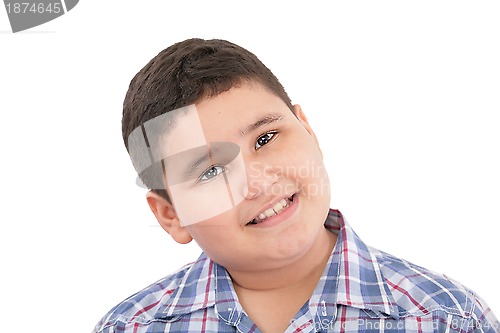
185 134
239 111
193 128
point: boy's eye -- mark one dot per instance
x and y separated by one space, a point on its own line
212 172
264 139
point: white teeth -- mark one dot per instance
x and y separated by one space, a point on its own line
270 212
277 207
275 210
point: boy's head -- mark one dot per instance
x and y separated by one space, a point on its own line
184 74
240 167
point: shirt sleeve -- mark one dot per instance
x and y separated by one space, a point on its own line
486 322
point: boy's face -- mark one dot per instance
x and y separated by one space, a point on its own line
260 197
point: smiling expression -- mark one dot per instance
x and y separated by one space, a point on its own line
252 191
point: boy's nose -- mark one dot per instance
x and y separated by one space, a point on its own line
260 180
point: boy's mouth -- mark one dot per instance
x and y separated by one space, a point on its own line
277 209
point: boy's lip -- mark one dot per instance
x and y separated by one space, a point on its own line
269 205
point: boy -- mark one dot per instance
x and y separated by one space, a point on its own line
232 164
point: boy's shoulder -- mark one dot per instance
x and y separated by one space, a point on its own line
418 291
168 298
385 283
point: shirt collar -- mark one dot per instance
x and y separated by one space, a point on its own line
195 291
352 277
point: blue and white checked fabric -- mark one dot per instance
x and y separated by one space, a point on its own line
361 290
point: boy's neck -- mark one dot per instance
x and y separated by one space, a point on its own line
301 274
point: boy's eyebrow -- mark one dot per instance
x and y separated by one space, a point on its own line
267 119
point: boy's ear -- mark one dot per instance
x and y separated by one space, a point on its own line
167 217
297 110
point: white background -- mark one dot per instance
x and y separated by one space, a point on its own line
404 98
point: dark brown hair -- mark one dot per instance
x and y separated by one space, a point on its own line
184 74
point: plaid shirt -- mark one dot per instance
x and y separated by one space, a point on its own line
361 290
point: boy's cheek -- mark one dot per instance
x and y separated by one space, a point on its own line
197 206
